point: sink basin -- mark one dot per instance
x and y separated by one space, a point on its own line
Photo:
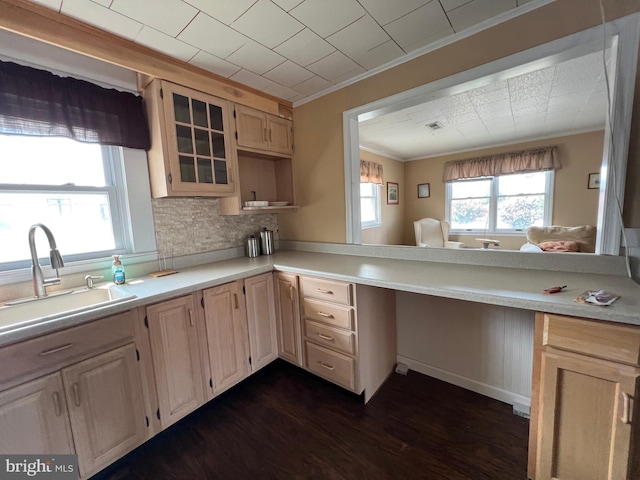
35 310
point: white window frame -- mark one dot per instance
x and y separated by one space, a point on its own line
378 220
493 207
130 203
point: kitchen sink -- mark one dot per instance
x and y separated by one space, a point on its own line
25 312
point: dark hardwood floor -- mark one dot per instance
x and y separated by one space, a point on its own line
283 423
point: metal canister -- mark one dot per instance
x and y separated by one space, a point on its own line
252 247
266 241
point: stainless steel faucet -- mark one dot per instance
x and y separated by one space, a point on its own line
39 282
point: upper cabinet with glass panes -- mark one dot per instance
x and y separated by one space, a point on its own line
191 152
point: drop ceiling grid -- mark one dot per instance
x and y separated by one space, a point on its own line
298 47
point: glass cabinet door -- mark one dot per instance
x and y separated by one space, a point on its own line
201 141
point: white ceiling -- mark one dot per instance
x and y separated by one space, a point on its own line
291 49
568 97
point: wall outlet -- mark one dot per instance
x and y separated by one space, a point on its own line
402 369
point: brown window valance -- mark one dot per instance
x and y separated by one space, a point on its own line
536 160
38 103
370 172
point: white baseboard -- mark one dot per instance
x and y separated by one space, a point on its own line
473 385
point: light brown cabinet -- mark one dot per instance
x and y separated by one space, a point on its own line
106 408
227 336
349 333
261 320
176 358
34 418
288 317
263 131
191 142
584 400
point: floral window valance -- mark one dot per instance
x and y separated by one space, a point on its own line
38 103
370 172
537 160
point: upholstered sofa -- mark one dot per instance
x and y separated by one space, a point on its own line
584 236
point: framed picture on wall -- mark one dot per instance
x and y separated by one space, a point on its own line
393 195
594 181
423 190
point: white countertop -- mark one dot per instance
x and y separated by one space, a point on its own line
510 287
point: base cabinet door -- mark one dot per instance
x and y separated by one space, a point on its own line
227 337
585 424
176 359
288 317
106 407
261 320
34 418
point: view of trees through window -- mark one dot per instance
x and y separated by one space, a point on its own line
505 203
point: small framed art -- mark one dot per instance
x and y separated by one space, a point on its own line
393 195
423 190
594 181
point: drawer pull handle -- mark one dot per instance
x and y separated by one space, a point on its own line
191 318
626 408
76 394
325 315
325 337
292 293
56 404
327 292
235 300
328 367
56 349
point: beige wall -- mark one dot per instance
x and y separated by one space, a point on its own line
573 203
391 230
319 156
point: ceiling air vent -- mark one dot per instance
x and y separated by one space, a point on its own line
435 126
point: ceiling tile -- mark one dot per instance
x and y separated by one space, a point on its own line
287 5
426 22
94 14
268 24
385 11
250 79
305 48
326 17
379 55
255 58
362 35
168 16
214 64
104 3
289 74
498 109
226 11
349 75
280 91
166 44
53 4
333 66
449 5
212 36
482 97
313 85
477 11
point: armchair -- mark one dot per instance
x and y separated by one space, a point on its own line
433 233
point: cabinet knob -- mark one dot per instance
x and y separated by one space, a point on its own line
626 408
76 394
56 404
292 293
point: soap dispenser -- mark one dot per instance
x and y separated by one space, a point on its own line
118 270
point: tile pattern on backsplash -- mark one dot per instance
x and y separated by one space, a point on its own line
186 226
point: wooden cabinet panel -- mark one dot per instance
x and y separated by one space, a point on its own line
288 317
585 409
262 131
329 290
261 319
341 340
175 357
280 134
329 313
331 365
191 146
34 418
227 336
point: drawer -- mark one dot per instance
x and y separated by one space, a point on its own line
55 350
618 343
328 290
329 313
331 365
330 337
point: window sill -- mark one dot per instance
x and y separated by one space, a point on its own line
370 225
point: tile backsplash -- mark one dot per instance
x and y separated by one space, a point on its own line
185 226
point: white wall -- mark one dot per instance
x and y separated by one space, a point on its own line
484 348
